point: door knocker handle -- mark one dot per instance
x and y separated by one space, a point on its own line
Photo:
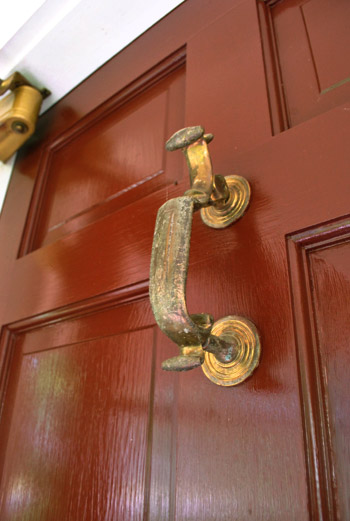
229 349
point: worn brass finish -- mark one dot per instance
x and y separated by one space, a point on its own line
229 211
169 265
18 80
243 361
206 188
199 339
19 110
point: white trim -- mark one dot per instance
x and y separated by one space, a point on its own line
65 41
5 174
14 15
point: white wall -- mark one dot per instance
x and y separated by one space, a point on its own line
5 174
58 43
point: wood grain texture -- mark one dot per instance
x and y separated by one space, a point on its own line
97 345
106 323
202 452
78 441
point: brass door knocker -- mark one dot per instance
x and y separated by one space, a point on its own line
229 349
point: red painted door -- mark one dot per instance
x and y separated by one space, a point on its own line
91 427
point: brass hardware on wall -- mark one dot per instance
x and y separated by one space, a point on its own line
229 349
19 110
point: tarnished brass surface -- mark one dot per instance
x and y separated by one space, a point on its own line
19 110
169 265
229 358
243 361
225 213
206 188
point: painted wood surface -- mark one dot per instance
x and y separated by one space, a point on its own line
80 377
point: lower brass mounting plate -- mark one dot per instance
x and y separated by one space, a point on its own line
247 358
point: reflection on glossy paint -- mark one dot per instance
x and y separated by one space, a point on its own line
26 500
49 395
78 441
21 492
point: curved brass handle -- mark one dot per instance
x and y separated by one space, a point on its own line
222 347
169 266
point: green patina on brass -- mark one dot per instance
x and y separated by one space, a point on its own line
226 199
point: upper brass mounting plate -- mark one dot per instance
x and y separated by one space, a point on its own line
248 354
220 216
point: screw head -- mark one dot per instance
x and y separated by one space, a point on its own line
19 127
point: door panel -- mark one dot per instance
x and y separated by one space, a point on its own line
312 44
117 157
319 277
331 278
88 419
247 270
80 403
75 280
219 83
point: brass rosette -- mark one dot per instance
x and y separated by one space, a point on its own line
246 359
224 214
